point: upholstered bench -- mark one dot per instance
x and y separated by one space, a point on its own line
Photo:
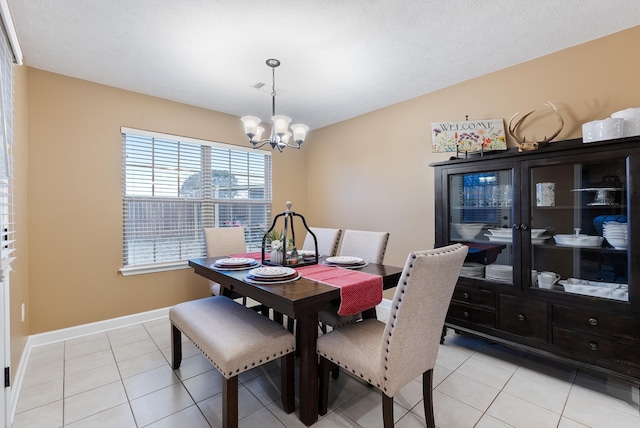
235 339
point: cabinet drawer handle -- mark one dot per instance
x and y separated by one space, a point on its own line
593 346
521 317
524 227
466 314
466 296
593 321
516 226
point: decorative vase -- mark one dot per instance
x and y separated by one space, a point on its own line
275 257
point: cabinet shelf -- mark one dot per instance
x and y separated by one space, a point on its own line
618 207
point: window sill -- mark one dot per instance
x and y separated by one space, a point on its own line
153 268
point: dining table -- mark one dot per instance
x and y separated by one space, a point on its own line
301 300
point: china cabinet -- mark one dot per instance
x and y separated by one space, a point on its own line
554 262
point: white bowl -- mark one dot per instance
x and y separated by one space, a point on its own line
618 243
579 240
535 233
506 232
468 231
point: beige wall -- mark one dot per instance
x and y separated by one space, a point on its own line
75 208
370 172
19 279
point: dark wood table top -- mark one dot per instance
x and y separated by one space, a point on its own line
290 298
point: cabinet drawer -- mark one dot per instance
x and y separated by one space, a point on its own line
473 315
595 346
473 296
596 322
526 318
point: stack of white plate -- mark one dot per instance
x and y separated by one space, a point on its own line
616 234
272 275
235 263
501 273
472 270
505 235
347 262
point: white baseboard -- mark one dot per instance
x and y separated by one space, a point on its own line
55 336
383 309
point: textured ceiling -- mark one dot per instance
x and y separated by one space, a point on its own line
340 58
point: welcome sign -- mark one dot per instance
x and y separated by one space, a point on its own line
468 136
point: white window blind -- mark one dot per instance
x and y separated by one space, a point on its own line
6 160
173 187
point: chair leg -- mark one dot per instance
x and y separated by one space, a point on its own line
323 396
287 382
278 317
293 329
176 347
335 371
230 402
387 411
427 395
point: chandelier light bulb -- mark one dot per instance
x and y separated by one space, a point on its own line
299 133
250 125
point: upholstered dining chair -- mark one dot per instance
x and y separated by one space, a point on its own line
222 241
389 355
368 245
327 239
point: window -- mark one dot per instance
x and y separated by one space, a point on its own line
6 159
173 187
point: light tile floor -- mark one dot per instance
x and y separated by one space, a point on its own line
122 378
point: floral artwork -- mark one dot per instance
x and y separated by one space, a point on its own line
468 136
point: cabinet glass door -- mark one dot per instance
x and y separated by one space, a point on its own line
579 228
480 216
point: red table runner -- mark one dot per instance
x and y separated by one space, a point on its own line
359 291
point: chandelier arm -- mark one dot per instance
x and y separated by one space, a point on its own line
259 144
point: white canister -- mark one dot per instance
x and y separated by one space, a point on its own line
545 194
612 128
588 132
631 118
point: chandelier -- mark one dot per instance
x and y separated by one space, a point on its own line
280 135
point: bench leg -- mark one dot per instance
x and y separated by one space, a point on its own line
287 382
176 347
230 402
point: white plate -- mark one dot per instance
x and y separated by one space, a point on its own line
493 238
344 260
258 282
349 266
508 240
306 253
578 281
234 261
234 268
272 271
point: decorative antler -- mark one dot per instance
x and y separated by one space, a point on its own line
522 143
